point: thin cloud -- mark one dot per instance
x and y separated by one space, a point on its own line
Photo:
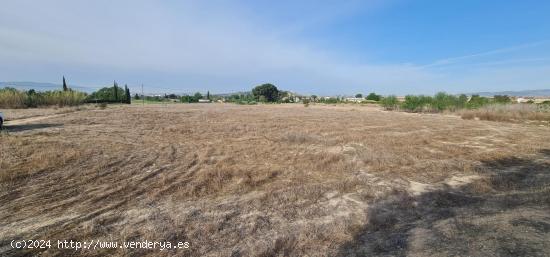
453 60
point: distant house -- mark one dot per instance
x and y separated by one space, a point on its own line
289 97
354 99
204 101
522 100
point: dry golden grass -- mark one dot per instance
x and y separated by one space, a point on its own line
510 113
272 180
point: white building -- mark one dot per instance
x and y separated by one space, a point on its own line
354 99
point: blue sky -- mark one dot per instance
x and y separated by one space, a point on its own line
313 47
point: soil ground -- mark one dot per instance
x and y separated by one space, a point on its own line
274 180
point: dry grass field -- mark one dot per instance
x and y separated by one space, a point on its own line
276 180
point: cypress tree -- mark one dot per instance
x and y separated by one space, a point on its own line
208 95
115 88
128 96
65 88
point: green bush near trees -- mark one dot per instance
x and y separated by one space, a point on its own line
389 102
442 101
416 103
447 102
502 99
477 101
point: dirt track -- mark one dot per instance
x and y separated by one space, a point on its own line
31 119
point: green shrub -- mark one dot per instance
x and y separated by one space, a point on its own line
502 99
477 101
389 102
415 103
443 101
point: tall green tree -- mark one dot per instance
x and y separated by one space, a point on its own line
115 90
65 87
374 97
128 95
266 92
208 95
197 96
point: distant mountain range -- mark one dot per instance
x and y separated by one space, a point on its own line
31 85
536 92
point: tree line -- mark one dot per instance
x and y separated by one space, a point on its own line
441 102
114 94
265 93
65 96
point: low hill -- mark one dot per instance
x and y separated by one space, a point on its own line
535 92
41 86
